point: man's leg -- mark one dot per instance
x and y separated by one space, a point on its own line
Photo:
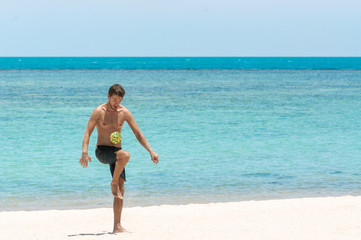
117 209
122 159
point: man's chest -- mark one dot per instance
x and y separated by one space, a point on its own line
111 119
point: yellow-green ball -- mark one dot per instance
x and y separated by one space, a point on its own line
115 137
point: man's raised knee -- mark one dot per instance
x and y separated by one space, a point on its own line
123 155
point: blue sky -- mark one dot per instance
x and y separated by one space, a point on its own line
180 28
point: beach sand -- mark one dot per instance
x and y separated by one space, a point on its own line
308 218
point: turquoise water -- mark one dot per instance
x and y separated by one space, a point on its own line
222 135
178 63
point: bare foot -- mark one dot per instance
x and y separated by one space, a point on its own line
119 229
115 190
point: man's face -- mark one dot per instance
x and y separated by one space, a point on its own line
114 101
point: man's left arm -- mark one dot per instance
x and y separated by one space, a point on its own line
140 137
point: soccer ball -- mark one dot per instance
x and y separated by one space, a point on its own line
115 137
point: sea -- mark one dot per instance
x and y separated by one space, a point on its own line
226 129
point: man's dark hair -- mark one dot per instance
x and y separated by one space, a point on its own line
116 89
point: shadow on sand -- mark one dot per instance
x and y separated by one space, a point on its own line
90 234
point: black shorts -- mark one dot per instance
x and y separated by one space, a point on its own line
106 155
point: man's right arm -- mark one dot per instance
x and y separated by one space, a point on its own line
88 131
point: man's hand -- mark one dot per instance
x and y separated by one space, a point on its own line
154 156
84 159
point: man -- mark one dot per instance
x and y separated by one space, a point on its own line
108 118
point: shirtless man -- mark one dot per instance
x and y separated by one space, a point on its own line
108 118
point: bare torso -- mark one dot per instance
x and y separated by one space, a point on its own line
109 121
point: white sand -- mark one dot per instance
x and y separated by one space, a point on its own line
313 218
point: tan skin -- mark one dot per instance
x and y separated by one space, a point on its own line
108 118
